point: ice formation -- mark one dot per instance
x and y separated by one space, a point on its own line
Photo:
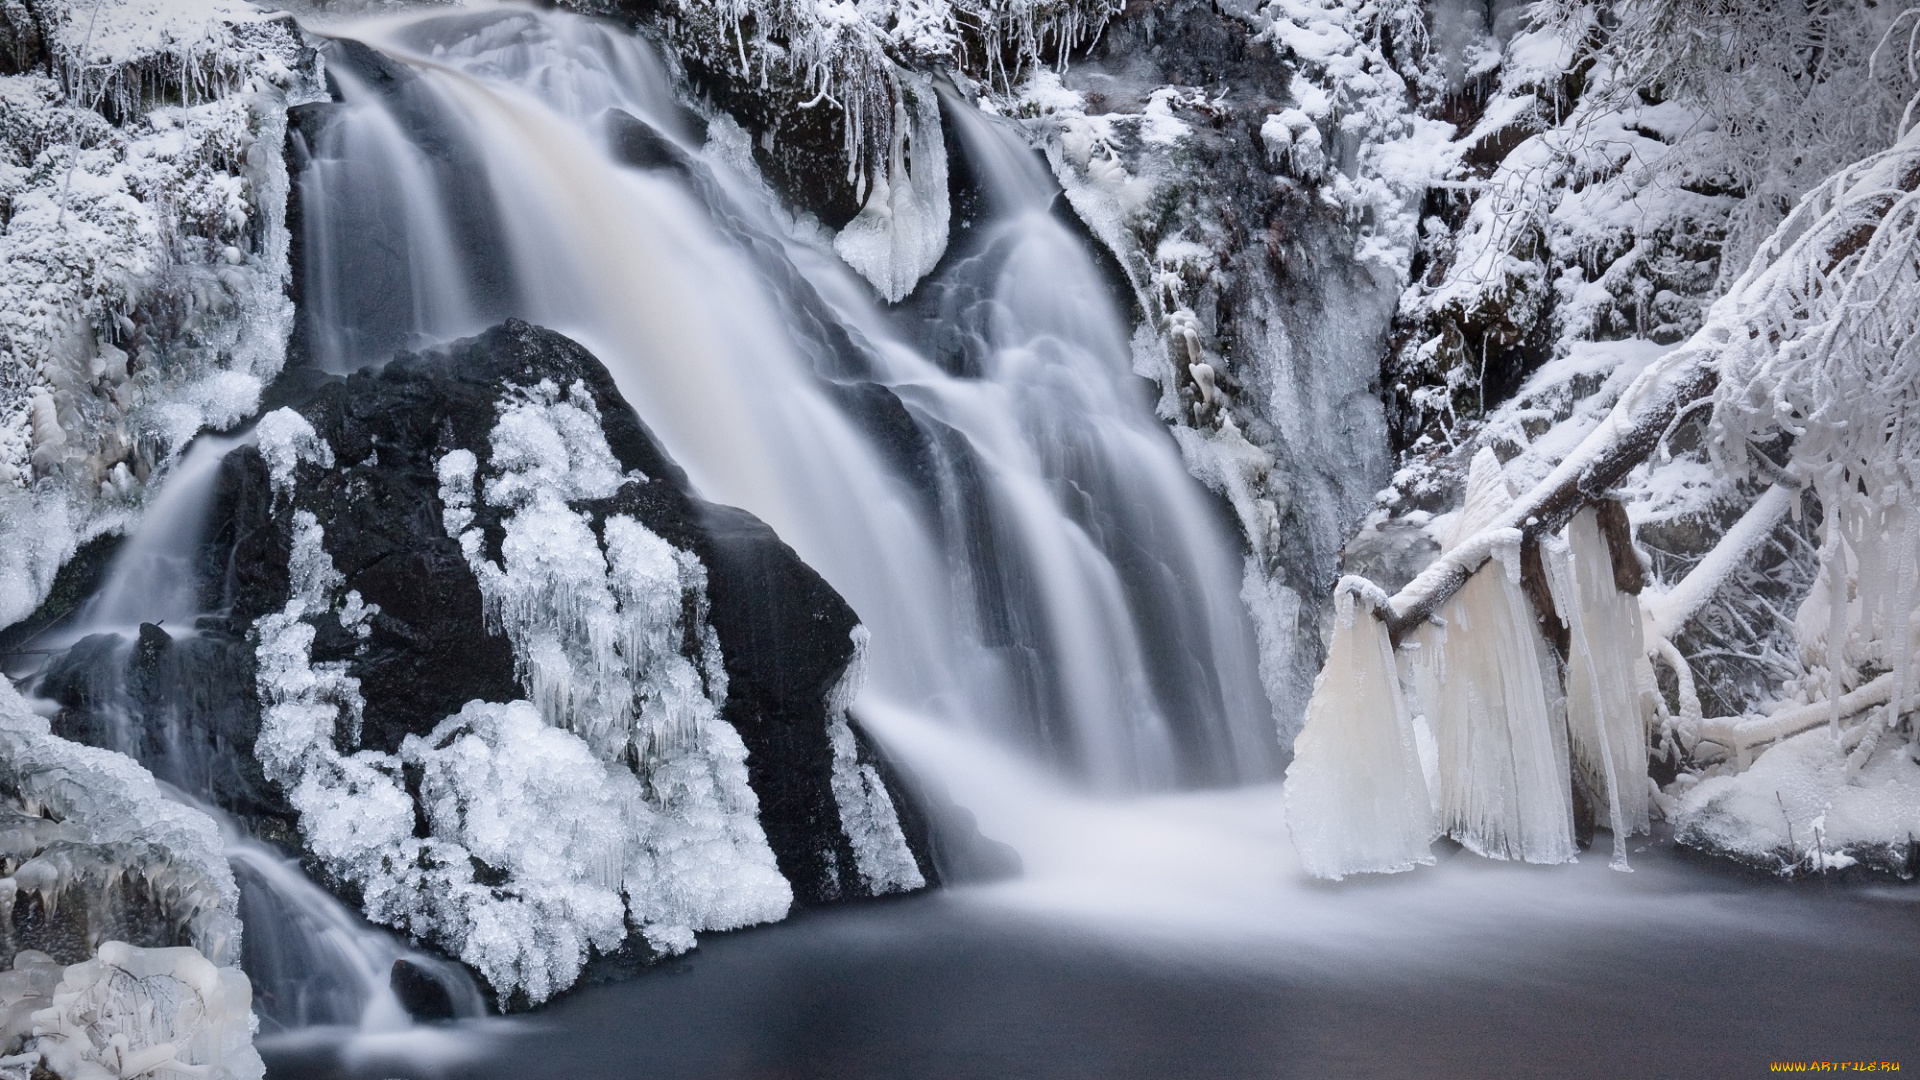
613 799
94 853
165 1013
867 814
1487 684
901 232
1357 798
845 54
1609 680
144 259
598 635
91 830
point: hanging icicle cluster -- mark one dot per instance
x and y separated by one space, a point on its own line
1357 799
850 56
1517 726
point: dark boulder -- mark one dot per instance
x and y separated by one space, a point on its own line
784 634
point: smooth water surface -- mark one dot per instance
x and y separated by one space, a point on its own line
1166 970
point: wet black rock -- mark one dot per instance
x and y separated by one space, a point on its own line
784 634
421 994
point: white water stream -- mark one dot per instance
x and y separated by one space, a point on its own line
1034 564
1058 631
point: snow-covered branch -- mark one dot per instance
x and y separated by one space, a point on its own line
1783 300
1669 611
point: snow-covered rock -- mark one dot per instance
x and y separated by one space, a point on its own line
1801 808
143 262
528 698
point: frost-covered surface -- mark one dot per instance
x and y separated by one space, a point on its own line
1803 807
1646 204
116 826
164 1013
143 255
613 800
867 814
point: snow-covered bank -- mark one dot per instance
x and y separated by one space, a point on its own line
143 254
1641 178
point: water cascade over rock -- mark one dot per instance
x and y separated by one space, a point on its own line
974 472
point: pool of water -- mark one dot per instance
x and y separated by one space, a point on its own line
1207 955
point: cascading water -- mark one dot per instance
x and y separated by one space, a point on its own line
153 578
316 963
991 495
147 669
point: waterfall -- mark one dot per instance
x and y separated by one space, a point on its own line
153 577
975 470
141 675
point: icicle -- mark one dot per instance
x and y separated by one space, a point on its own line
1483 682
1608 676
1357 798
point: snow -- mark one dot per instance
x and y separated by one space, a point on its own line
165 1013
1357 799
1351 129
1667 612
144 260
1800 806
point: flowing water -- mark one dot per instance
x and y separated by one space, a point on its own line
993 495
1058 632
153 578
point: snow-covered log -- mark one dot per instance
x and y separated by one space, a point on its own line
1669 611
1863 211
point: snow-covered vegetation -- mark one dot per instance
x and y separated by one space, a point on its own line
143 253
1686 273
